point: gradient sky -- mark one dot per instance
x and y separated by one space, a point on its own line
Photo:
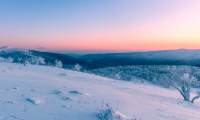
100 24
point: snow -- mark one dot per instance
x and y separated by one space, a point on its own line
42 93
7 49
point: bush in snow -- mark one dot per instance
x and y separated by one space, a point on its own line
117 76
77 67
26 62
37 60
2 59
10 60
58 64
106 112
19 60
40 61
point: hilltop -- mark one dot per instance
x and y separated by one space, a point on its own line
42 92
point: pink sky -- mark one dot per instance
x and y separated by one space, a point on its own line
177 27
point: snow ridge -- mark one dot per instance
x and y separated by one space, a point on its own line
7 49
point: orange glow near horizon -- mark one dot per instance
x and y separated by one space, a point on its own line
177 28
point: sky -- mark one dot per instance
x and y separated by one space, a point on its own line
100 24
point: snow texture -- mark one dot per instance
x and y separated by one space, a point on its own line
41 93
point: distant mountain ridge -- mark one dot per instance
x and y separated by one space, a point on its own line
95 61
49 57
163 57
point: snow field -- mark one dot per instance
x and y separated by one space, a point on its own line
44 93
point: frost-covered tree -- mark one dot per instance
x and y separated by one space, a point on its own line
58 64
117 76
33 60
26 62
77 67
40 61
37 60
182 83
2 59
10 60
19 60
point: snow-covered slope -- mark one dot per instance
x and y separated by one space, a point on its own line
6 49
46 93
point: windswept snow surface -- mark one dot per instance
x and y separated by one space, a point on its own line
43 93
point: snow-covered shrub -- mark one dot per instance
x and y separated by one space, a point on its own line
37 60
32 60
9 60
2 59
107 112
40 61
77 67
26 62
117 76
19 60
110 114
58 64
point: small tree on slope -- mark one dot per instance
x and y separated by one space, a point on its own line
77 67
40 60
2 59
58 64
182 83
19 60
10 60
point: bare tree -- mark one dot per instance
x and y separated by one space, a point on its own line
181 82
